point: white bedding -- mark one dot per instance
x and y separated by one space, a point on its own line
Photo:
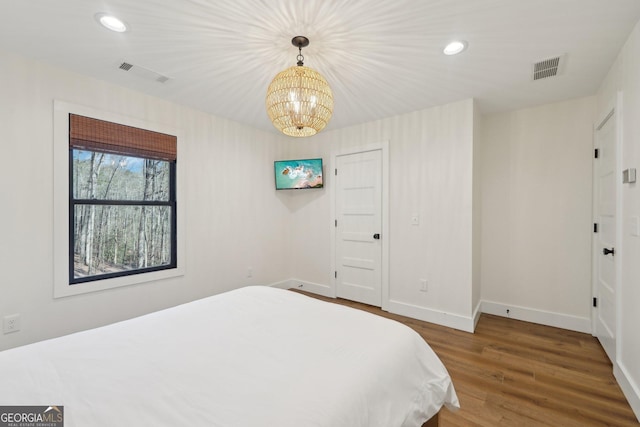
256 356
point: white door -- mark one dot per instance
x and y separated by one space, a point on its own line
359 227
604 246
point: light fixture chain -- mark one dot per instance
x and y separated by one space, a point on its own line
300 58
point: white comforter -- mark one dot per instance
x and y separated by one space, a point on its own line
256 356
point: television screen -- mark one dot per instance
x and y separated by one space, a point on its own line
298 174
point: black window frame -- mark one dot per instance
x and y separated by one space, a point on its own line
171 203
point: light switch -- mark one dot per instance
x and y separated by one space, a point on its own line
629 176
415 219
634 226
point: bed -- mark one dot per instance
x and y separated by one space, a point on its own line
255 356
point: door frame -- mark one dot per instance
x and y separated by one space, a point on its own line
383 146
614 108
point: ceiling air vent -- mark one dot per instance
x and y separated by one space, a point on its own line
126 66
548 67
143 72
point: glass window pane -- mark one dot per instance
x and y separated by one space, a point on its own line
113 239
105 176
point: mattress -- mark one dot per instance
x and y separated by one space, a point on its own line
255 356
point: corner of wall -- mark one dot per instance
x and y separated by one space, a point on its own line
476 238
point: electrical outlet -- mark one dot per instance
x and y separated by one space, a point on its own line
424 285
11 323
249 272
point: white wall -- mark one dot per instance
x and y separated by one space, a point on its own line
476 294
624 76
536 213
431 172
234 221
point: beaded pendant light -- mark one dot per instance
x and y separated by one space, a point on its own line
299 100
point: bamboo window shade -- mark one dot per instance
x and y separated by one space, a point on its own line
99 135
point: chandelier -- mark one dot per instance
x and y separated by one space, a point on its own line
299 100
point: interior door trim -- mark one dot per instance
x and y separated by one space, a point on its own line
382 145
613 110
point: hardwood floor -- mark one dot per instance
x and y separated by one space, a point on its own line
513 373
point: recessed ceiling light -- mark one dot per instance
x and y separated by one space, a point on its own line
455 47
111 22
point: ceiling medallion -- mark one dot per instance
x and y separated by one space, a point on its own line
299 100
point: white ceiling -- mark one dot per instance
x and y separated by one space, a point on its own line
381 58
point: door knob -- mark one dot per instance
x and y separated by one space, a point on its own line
607 251
376 236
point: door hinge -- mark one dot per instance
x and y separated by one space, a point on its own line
596 153
595 227
336 171
336 222
335 274
595 301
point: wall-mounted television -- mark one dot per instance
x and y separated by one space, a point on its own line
298 174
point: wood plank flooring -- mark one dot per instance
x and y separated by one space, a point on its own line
513 373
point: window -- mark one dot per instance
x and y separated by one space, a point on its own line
120 144
122 200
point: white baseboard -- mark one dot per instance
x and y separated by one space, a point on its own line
285 284
314 288
455 321
548 318
466 324
476 314
629 388
463 323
